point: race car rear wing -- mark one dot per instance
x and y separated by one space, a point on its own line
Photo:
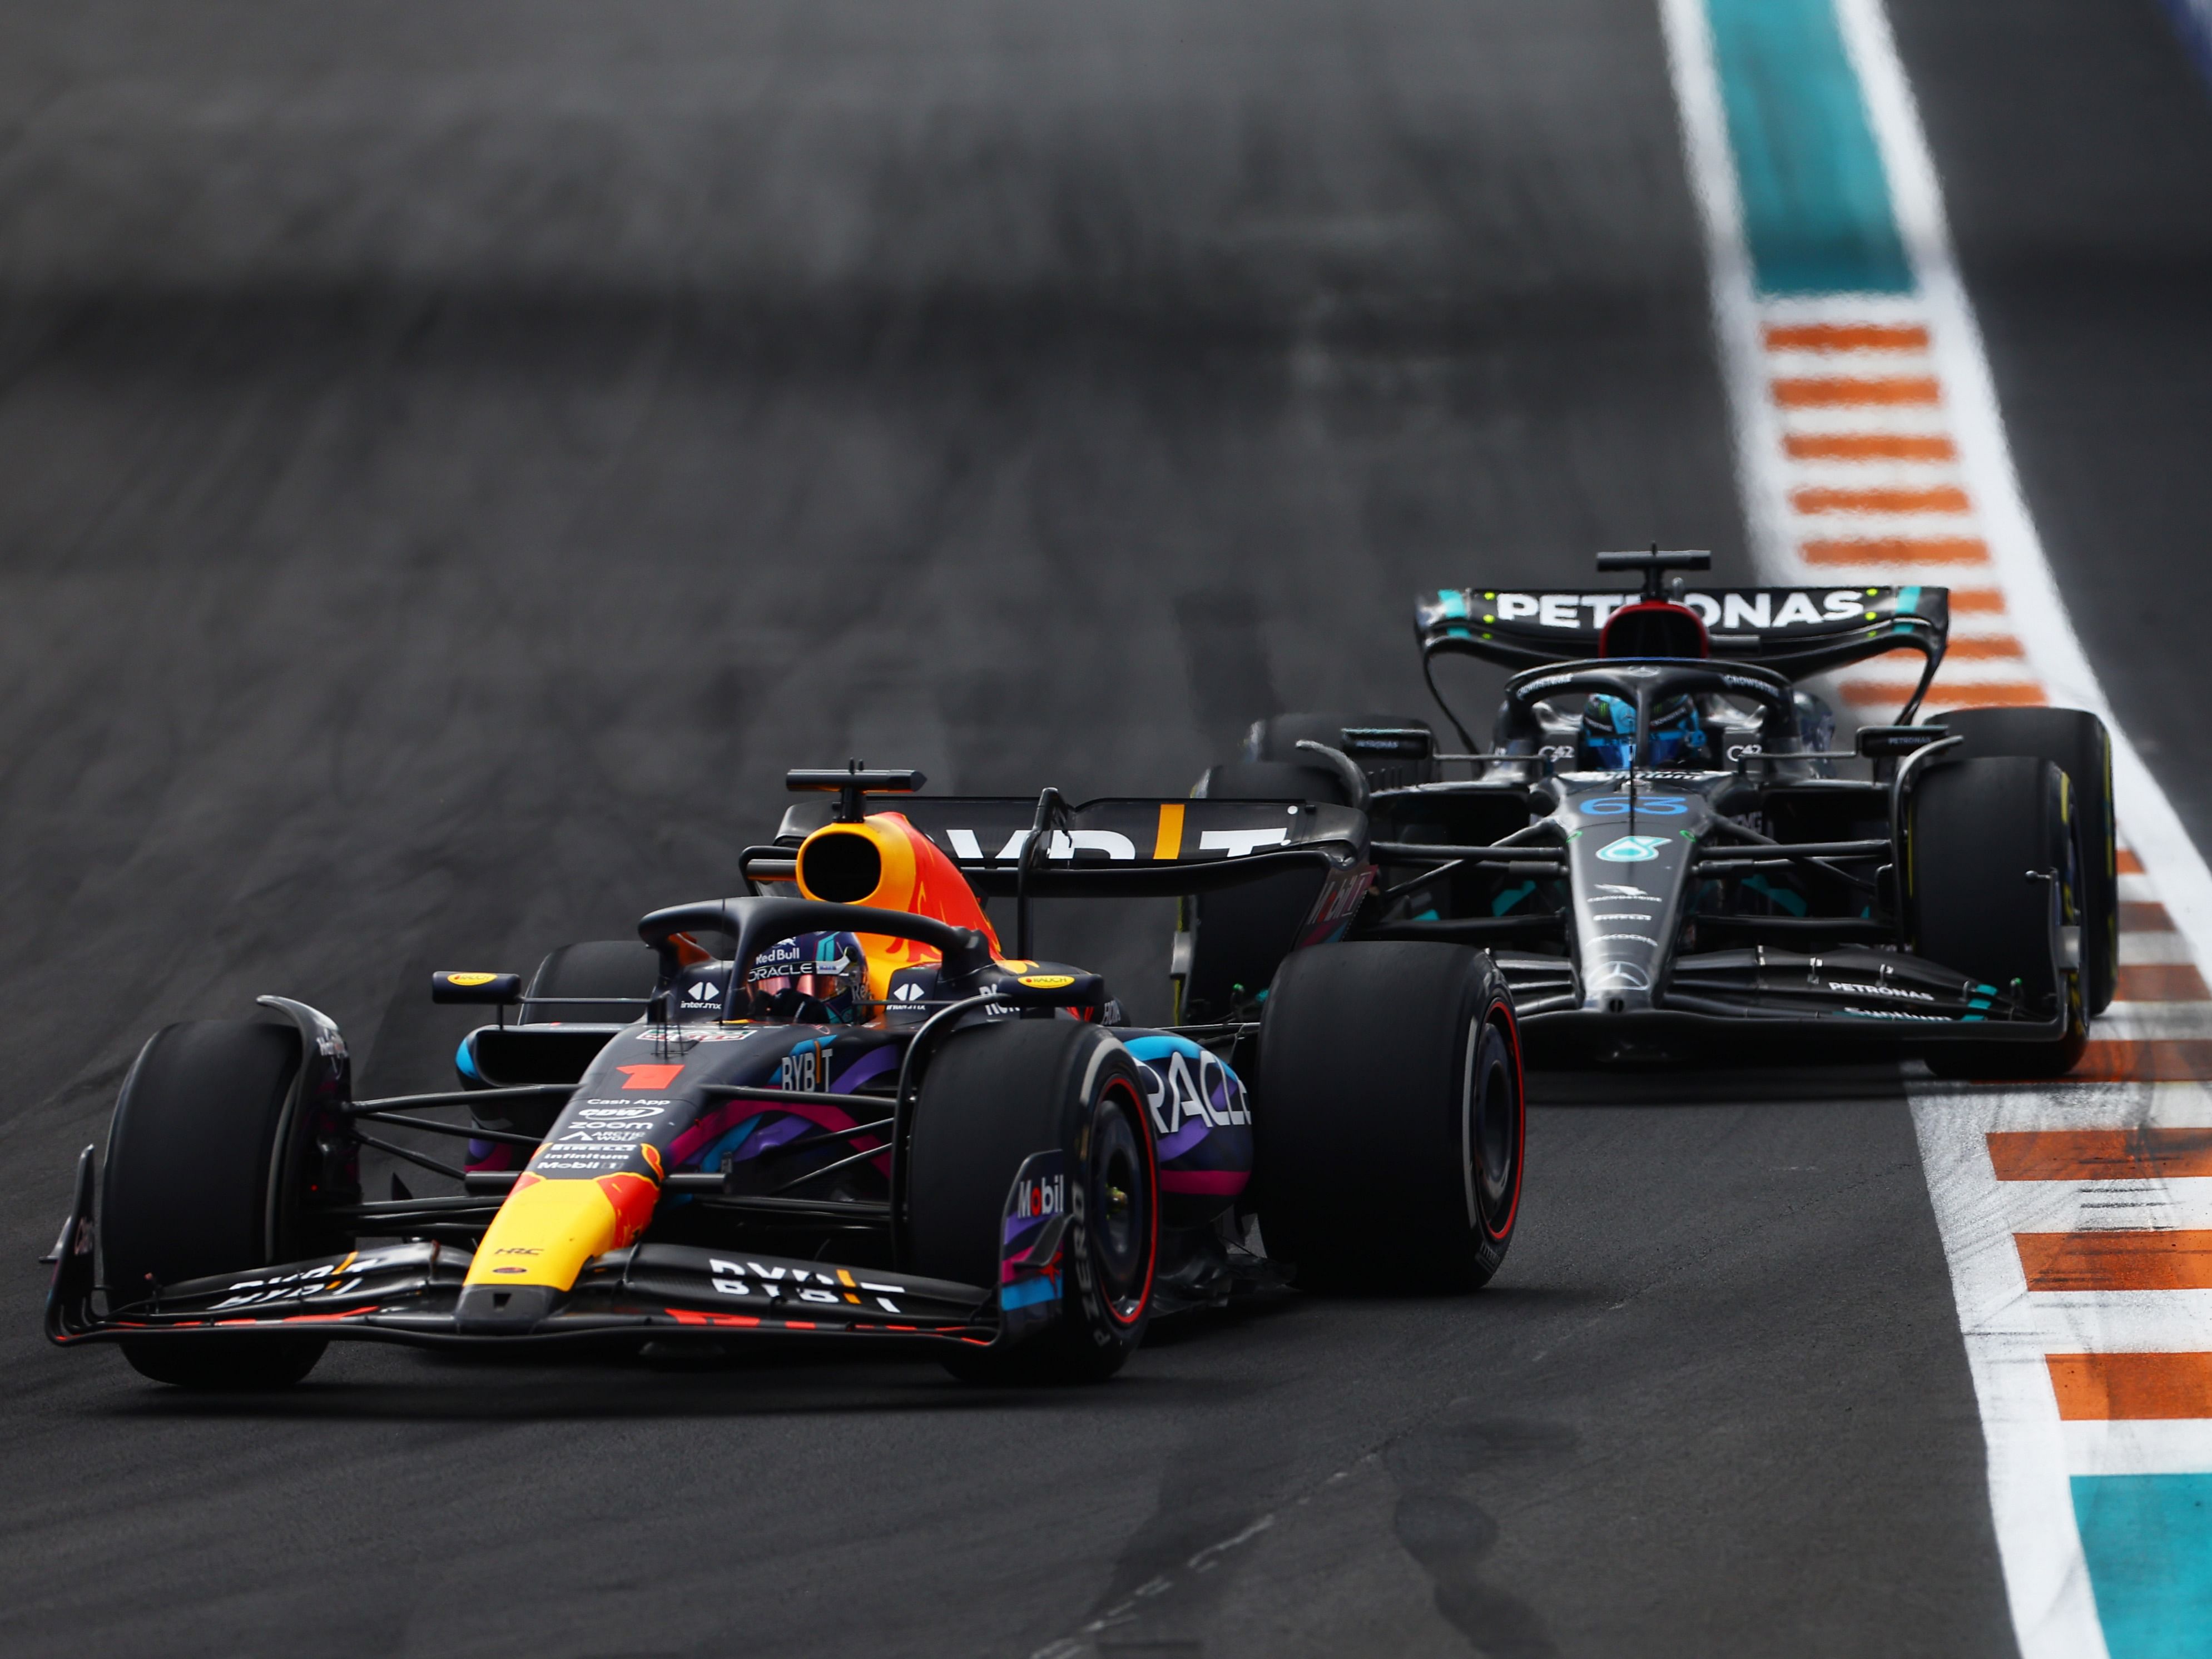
1128 847
1793 631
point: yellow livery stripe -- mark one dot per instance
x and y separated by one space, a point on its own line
1169 846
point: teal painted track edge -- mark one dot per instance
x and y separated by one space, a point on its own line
2148 1539
1817 216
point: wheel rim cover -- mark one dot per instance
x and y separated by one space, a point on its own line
1492 1117
1120 1202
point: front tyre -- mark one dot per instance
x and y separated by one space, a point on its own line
2076 743
187 1192
1390 1117
1977 828
994 1095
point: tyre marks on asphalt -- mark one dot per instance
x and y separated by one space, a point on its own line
1171 1571
1445 1528
1171 1593
2075 1218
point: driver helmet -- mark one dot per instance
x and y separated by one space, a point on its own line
815 979
1608 735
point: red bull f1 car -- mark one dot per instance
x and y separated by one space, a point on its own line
833 1106
1659 846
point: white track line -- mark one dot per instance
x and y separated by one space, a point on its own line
2039 614
2008 1331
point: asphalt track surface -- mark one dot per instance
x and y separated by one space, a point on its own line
451 463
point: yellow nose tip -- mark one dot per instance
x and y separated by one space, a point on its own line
545 1232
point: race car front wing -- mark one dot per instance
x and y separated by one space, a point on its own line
409 1293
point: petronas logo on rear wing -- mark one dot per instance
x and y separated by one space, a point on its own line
1797 630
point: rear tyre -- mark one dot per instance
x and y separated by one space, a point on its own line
597 968
1977 827
2077 743
995 1095
187 1191
1390 1117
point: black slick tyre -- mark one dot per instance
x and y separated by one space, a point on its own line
595 968
1390 1117
994 1095
2077 743
186 1194
1976 828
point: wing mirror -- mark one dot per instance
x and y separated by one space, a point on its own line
447 986
1049 990
1887 741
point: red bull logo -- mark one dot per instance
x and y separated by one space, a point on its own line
632 1198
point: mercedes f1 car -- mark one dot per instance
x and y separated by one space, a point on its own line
1657 845
832 1107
